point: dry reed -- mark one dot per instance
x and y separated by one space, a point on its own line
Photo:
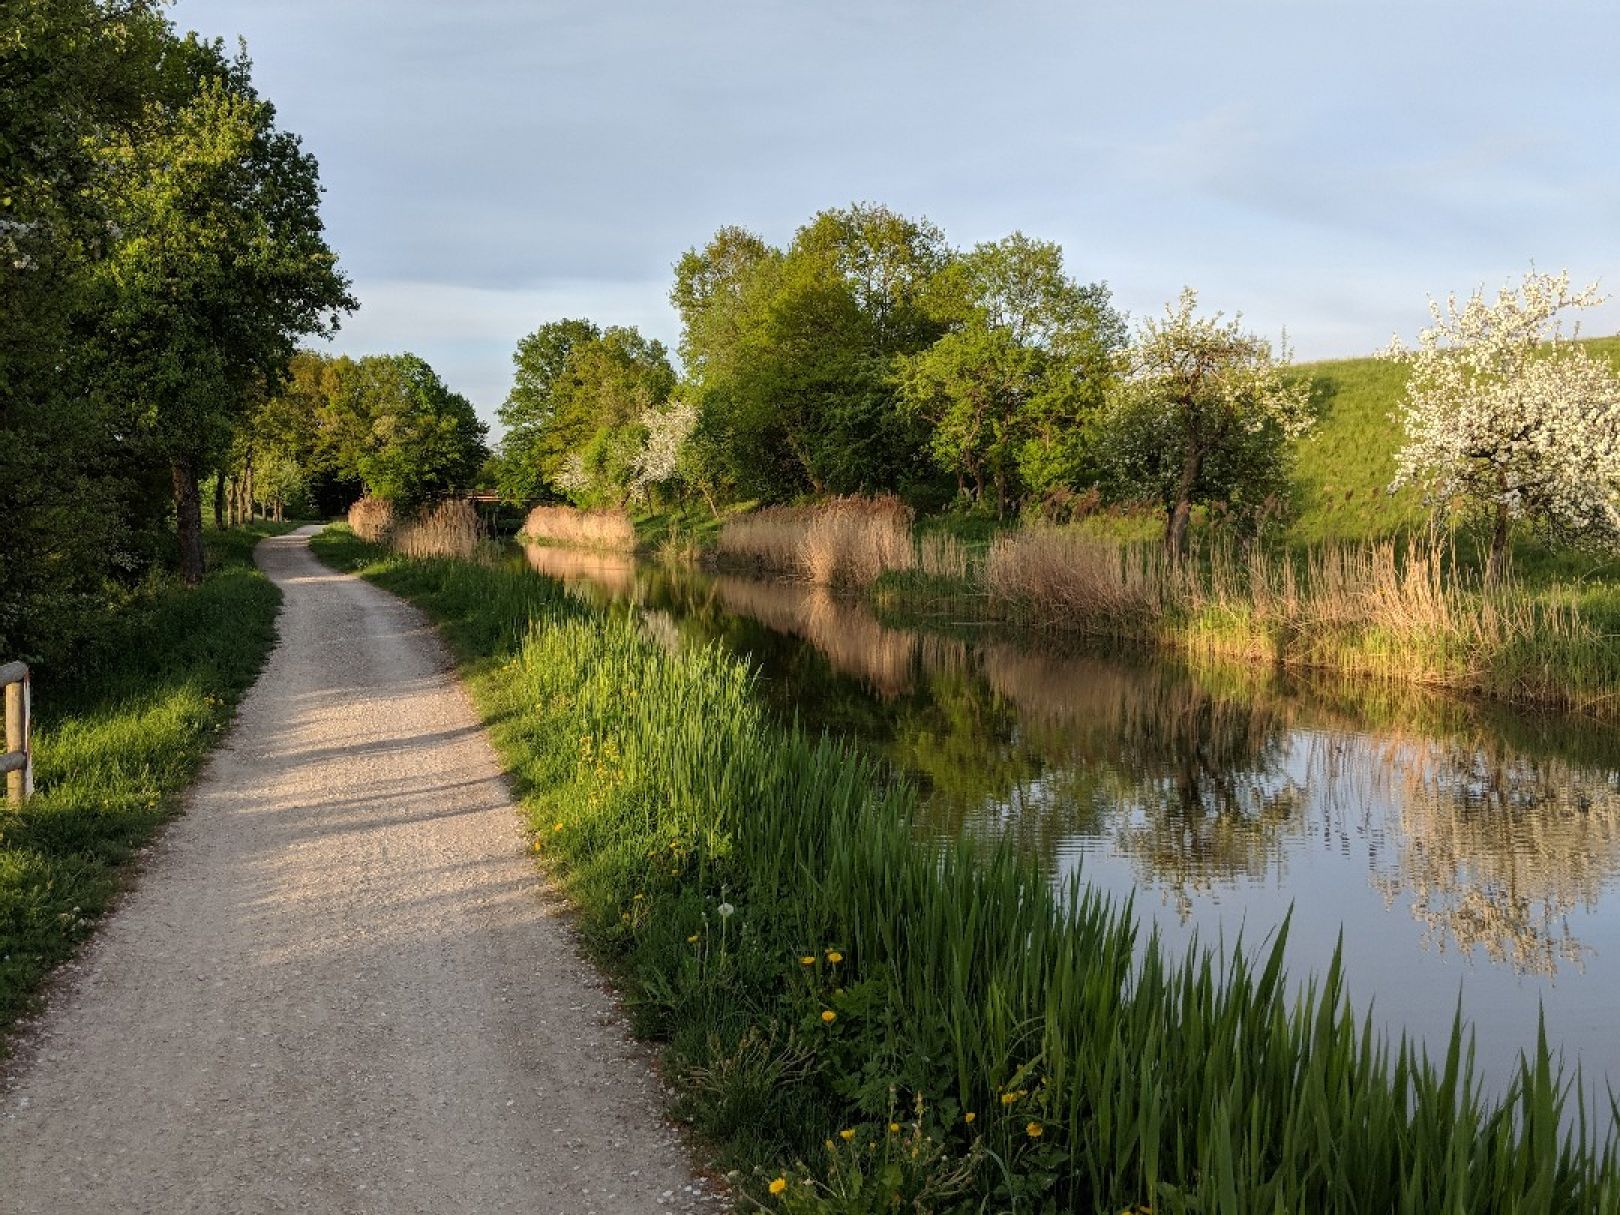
1399 612
845 542
372 519
603 529
449 529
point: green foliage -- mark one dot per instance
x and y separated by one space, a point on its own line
578 412
790 353
813 970
403 434
1010 390
119 738
1203 414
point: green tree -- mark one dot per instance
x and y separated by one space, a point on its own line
580 410
1202 412
539 362
1010 391
76 507
790 353
216 266
395 426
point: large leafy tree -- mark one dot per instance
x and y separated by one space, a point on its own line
1505 419
1010 391
530 452
217 264
74 505
791 352
1202 412
390 422
580 411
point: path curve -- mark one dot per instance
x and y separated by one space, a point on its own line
338 986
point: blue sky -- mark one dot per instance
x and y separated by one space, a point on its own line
493 164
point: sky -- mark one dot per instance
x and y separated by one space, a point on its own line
1321 167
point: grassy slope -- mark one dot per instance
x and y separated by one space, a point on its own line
975 1040
115 751
1346 464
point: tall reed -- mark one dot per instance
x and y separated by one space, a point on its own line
1401 612
845 542
372 519
603 529
447 529
988 1042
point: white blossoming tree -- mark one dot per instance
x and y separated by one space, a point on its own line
1507 419
668 428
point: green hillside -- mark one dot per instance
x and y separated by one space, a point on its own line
1347 462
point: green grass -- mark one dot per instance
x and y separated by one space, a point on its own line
810 970
118 740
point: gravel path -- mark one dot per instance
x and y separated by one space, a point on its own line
338 985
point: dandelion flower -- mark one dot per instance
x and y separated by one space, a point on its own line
693 939
969 1117
834 956
1009 1097
1035 1130
828 1015
894 1128
556 826
847 1134
779 1185
725 910
807 960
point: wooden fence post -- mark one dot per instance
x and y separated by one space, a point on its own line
18 760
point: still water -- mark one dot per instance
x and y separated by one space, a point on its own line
1463 850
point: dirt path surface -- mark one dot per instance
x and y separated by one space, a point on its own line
337 986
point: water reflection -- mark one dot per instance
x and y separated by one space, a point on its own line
1224 795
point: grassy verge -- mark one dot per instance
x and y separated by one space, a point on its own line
117 743
866 1026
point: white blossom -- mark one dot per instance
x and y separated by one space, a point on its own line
1506 417
667 430
573 479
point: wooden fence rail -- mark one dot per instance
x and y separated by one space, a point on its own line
18 761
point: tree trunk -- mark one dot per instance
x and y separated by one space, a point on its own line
188 518
1496 565
219 501
1175 532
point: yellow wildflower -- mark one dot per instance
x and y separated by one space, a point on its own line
779 1185
894 1128
807 960
969 1117
834 956
1035 1130
693 939
1009 1097
847 1134
556 826
828 1015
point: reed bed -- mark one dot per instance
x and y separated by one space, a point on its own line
1401 612
372 519
888 1028
843 542
603 529
447 529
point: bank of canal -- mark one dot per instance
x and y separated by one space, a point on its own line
1464 849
